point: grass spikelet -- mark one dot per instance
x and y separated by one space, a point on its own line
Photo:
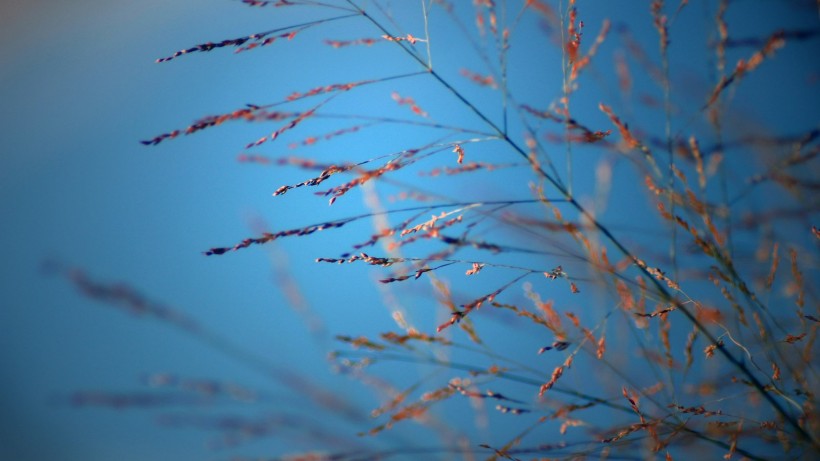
258 39
550 315
292 124
360 342
250 113
344 43
665 327
478 79
698 156
798 281
687 352
773 268
408 38
556 374
460 151
409 102
743 67
580 64
273 3
601 348
629 140
573 36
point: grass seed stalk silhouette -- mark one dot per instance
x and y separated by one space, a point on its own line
707 278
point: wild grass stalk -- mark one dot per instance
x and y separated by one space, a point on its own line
673 345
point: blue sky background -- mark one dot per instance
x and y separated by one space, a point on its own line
80 89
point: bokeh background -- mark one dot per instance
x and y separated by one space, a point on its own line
79 89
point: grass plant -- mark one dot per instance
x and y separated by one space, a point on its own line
588 248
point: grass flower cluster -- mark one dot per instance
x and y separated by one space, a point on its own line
589 244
